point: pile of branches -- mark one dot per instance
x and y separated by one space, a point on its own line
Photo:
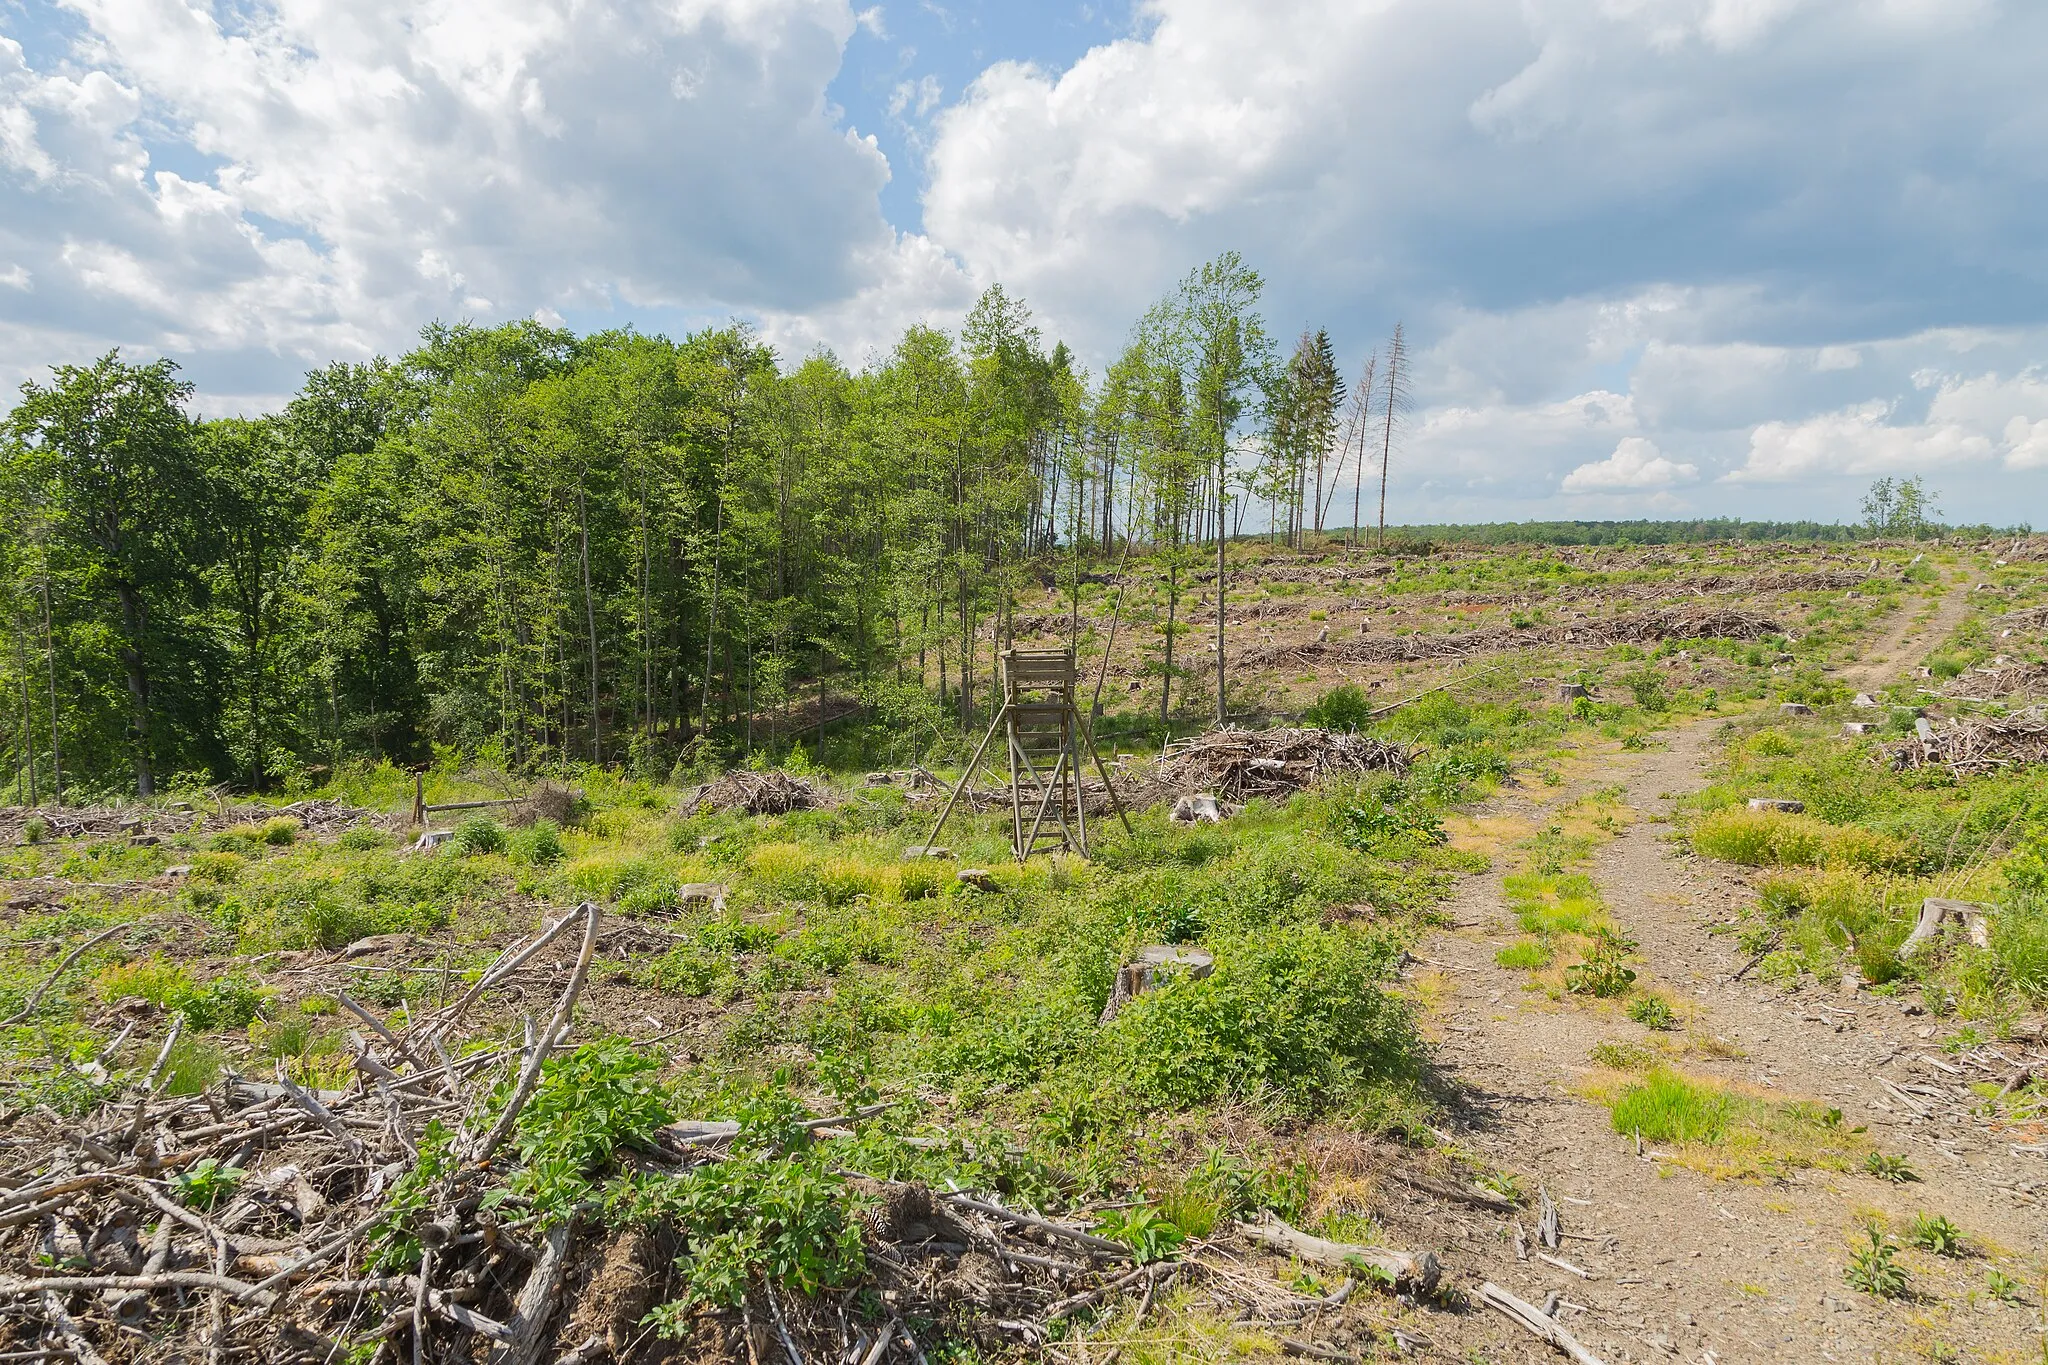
322 817
270 1221
1977 745
2001 679
1650 627
1237 765
769 793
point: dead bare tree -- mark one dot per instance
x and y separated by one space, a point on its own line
1359 427
1394 399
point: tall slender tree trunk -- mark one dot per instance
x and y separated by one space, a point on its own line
135 664
1222 595
50 665
589 614
28 729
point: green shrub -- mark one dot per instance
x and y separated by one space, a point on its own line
1874 1270
597 1101
34 830
479 834
1345 707
919 880
279 831
362 838
219 868
1298 1016
240 839
538 845
1652 1012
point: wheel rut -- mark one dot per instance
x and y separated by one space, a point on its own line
1684 1265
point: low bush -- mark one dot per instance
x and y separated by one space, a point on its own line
1299 1016
363 838
479 834
279 831
1755 838
538 845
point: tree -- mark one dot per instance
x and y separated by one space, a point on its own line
1210 332
259 486
1394 398
1901 507
112 453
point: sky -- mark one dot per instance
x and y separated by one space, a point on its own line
1652 257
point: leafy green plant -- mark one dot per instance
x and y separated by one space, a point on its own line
589 1105
2003 1287
206 1182
1874 1268
279 831
1604 970
362 838
34 830
1344 707
1525 955
538 845
1653 1012
1144 1230
1935 1233
479 834
1897 1169
761 1214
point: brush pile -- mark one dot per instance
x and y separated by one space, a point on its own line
2003 678
1977 745
320 818
769 793
530 1201
1237 765
1638 628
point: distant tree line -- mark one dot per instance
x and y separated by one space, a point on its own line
544 548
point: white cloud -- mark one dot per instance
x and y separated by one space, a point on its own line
383 163
1635 466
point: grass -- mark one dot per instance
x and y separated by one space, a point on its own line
838 973
1713 1127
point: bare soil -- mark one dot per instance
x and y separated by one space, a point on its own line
1680 1265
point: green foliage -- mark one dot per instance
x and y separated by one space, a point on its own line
1896 1169
2003 1287
479 834
1665 1106
362 838
1345 707
1873 1268
589 1105
1298 1016
537 845
220 1003
1935 1233
1603 971
1148 1233
206 1182
774 1209
1652 1011
279 831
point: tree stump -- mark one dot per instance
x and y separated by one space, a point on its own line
1858 727
1778 803
1571 691
1936 910
1145 971
1794 708
1197 808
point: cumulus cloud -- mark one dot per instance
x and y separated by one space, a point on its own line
1636 466
379 164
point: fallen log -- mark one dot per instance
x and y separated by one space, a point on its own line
1545 1328
1398 1269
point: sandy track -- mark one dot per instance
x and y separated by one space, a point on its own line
1688 1267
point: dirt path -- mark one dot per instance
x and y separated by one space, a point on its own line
1683 1265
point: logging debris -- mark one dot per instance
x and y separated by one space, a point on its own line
1973 746
769 793
1235 765
1639 628
270 1219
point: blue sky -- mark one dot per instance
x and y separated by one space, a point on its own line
1654 257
